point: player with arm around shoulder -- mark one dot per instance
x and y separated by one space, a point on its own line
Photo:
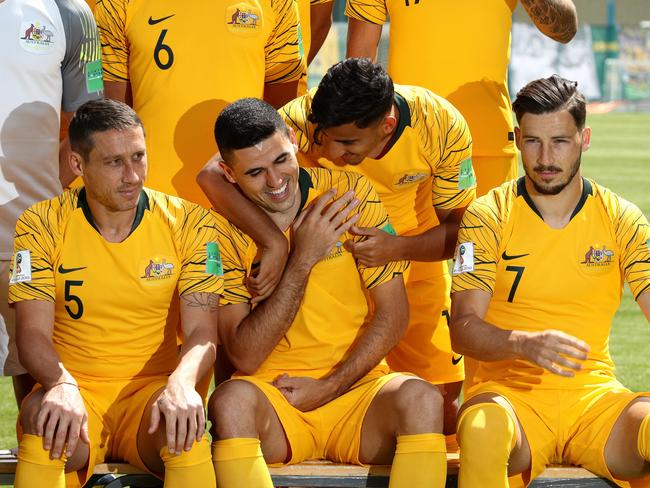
538 277
93 276
311 381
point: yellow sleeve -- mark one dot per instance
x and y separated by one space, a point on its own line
111 21
318 2
448 147
477 248
294 115
233 245
196 238
284 52
633 239
31 274
371 214
373 11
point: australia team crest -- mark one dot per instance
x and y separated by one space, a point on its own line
243 18
36 36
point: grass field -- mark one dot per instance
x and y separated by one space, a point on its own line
620 159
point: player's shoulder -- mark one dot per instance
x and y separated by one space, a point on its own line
322 179
51 214
497 204
73 9
175 210
616 206
423 99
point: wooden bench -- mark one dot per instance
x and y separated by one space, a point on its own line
313 474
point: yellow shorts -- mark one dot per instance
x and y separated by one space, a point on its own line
425 350
566 426
493 171
332 431
115 409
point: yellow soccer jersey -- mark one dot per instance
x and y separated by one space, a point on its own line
541 278
427 167
184 72
459 50
111 299
334 308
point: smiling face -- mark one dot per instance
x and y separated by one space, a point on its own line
115 169
351 144
551 146
267 173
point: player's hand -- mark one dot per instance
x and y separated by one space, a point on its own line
377 249
553 350
304 393
182 408
271 268
318 227
62 420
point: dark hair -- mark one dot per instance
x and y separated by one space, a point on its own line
245 123
354 90
548 95
99 116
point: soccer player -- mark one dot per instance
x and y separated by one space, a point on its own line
460 51
50 65
312 382
93 275
537 280
415 148
179 65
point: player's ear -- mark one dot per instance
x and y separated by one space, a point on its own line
389 124
76 163
586 138
518 137
292 138
227 171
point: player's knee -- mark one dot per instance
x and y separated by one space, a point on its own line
29 413
419 407
230 404
486 434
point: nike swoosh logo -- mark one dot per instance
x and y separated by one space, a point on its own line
507 257
63 270
157 21
455 360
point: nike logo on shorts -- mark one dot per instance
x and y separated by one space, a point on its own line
455 360
152 21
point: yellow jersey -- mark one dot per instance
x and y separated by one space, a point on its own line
183 72
334 309
459 50
428 165
112 299
540 278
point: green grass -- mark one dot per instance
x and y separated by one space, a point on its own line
619 158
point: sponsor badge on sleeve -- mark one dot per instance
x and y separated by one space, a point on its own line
22 271
464 262
213 262
466 178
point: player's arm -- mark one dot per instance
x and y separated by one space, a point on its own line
229 202
66 176
472 336
321 22
119 90
556 19
278 94
62 418
315 232
180 403
363 39
644 303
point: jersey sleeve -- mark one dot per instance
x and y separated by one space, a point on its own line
233 246
111 21
373 11
81 68
295 115
633 239
284 52
197 241
371 214
477 248
447 145
31 275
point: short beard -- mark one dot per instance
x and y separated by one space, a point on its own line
554 190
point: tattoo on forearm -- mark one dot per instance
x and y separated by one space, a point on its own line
208 302
555 18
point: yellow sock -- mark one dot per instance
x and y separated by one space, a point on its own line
420 461
190 468
35 468
643 439
239 462
486 434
